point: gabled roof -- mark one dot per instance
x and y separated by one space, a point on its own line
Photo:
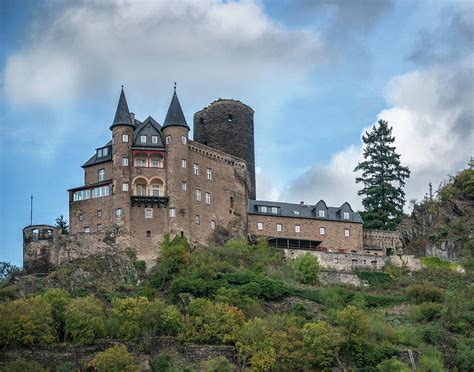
175 115
149 127
122 114
95 160
303 211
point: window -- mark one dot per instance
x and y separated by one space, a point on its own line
99 192
105 151
196 169
101 174
263 209
197 219
141 162
213 224
297 228
198 195
279 227
143 139
148 213
168 140
184 185
99 213
347 215
209 173
155 190
99 153
99 227
322 231
81 217
183 140
296 212
87 229
156 163
148 233
154 139
208 198
141 190
124 138
172 212
274 210
229 118
125 187
231 200
118 212
125 162
184 163
82 195
347 233
259 225
322 213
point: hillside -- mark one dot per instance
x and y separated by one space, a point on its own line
237 305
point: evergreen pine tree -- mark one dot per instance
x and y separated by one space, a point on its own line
61 222
383 178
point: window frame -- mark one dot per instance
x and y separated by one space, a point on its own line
184 186
297 229
101 174
168 140
209 173
207 198
198 195
322 230
347 232
125 187
184 140
125 162
184 163
196 169
143 136
197 219
172 212
260 226
124 138
279 227
321 213
154 140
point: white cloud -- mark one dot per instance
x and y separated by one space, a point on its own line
85 46
432 115
266 189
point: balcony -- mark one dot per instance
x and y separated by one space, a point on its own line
149 201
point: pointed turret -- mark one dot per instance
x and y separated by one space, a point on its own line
122 115
175 116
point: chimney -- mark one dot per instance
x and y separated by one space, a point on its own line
132 116
301 203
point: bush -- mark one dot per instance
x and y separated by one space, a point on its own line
161 363
433 334
323 341
24 365
430 360
84 320
427 311
196 286
305 268
114 359
68 367
393 365
373 300
355 326
218 364
465 354
256 285
25 322
374 278
425 292
58 299
209 322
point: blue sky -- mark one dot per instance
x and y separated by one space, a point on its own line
317 73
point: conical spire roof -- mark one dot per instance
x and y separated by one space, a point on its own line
175 115
122 115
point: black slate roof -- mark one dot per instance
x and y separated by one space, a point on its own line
304 211
175 115
122 115
95 160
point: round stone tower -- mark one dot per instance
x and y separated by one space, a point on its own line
38 243
227 125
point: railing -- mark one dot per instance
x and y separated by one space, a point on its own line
139 200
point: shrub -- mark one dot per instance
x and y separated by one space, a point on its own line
432 334
465 354
196 286
161 363
218 364
355 326
68 367
374 278
26 322
393 365
305 268
256 285
323 341
425 292
373 300
430 361
58 299
114 359
426 311
84 320
209 322
24 365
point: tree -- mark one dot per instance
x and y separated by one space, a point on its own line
84 320
305 268
383 179
323 341
6 270
114 359
62 223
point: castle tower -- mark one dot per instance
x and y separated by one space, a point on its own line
227 125
175 132
122 137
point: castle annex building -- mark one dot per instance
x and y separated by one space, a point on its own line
151 179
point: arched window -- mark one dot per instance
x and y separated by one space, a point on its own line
155 190
140 189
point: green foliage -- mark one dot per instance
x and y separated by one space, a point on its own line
84 320
196 286
161 363
305 268
58 299
425 292
393 365
323 341
114 359
430 361
376 300
68 367
432 334
209 322
218 364
26 322
446 192
6 270
383 179
355 326
8 293
437 263
465 179
426 312
465 354
24 365
374 278
62 223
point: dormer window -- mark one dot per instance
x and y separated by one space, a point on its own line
263 209
274 210
99 153
143 139
347 215
102 152
295 212
321 213
154 139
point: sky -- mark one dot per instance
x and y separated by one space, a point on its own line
317 73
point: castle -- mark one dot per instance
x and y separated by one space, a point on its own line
151 179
